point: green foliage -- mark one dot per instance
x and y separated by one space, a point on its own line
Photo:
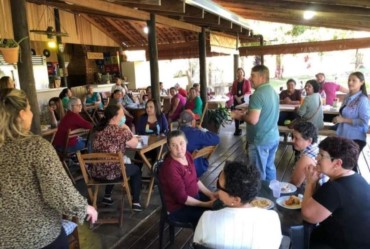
297 30
11 43
219 117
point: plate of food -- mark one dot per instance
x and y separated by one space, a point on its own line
262 203
290 202
287 188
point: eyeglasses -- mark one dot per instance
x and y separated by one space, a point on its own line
321 156
221 188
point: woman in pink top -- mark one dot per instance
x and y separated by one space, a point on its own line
180 184
241 86
177 105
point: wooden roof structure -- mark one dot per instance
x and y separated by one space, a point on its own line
179 22
338 14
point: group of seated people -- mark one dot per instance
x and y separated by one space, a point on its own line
354 113
338 210
114 133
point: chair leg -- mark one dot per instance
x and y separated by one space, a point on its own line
91 195
121 212
66 168
161 230
96 191
172 234
150 190
128 193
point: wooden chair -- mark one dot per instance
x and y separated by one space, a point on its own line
73 237
204 152
205 108
65 156
164 214
98 160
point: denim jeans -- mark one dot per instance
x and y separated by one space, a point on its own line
81 144
263 156
190 214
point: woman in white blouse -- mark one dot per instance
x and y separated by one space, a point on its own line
239 225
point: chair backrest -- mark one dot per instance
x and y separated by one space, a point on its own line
297 237
205 108
98 160
204 152
156 169
81 132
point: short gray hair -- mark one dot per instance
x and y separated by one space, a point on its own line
72 101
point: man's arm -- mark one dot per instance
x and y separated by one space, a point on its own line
343 89
251 117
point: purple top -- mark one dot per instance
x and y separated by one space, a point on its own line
180 107
330 89
178 182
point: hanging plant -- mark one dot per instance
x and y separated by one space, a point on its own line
9 48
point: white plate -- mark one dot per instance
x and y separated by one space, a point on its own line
281 202
269 202
287 188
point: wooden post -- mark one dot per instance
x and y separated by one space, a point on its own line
60 53
236 64
153 56
202 65
25 70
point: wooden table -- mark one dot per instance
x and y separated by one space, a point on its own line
291 108
153 143
288 217
214 101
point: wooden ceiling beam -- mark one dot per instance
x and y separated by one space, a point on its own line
101 28
132 13
112 8
171 46
338 23
287 6
148 2
139 30
306 47
168 6
214 22
119 28
354 3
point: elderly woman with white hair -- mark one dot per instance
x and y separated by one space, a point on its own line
71 121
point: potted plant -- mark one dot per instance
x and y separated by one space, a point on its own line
215 118
9 48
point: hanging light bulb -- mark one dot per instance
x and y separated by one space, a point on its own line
146 30
308 14
52 44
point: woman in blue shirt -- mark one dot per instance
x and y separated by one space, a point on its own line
355 111
153 121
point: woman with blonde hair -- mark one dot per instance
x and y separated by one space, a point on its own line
35 190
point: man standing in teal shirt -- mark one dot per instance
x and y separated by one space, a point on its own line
261 119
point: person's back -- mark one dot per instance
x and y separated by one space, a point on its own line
239 228
265 131
348 225
24 172
197 139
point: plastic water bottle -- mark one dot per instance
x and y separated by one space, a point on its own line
323 98
158 129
